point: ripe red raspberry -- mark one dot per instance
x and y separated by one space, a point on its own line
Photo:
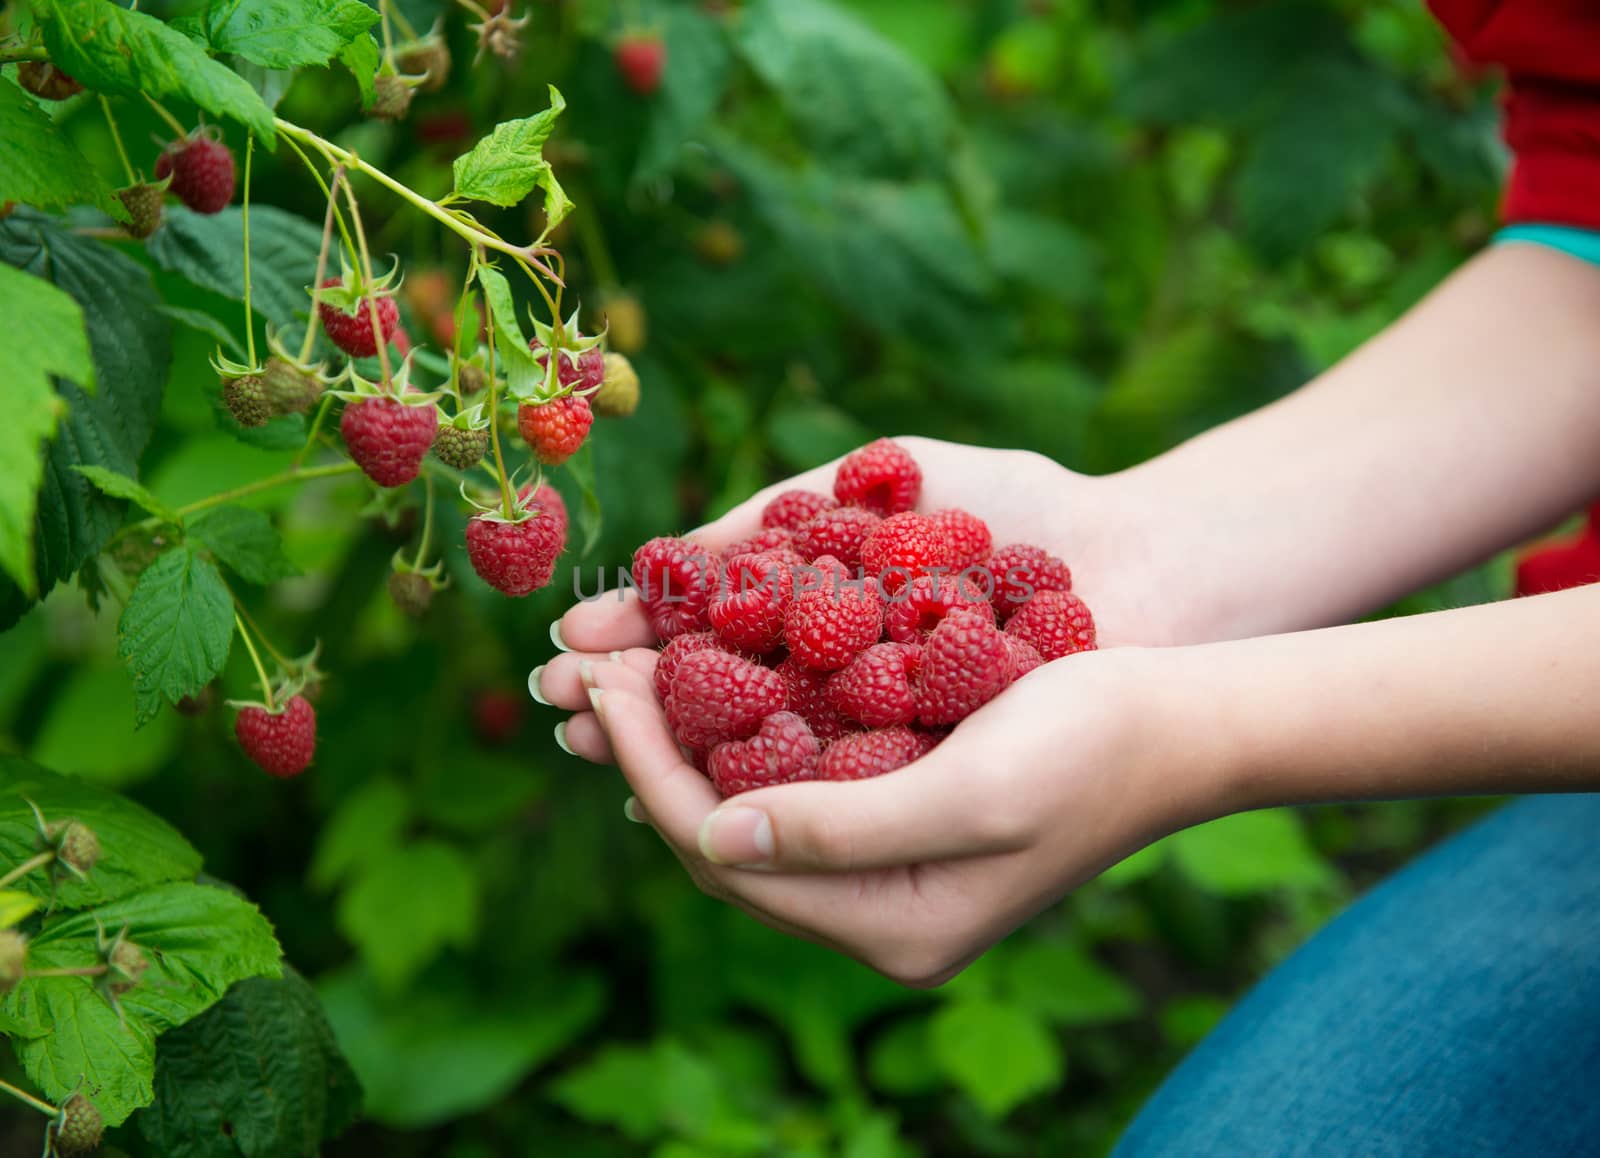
876 687
387 438
965 664
808 698
556 429
782 751
838 532
545 499
676 579
1024 656
967 536
352 332
868 754
718 696
914 611
881 476
280 743
1056 622
641 59
748 608
1020 571
789 509
584 370
202 173
902 547
496 717
833 617
678 649
516 558
769 539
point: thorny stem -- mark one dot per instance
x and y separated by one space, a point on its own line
261 672
322 269
172 122
249 318
116 139
366 277
28 866
22 1096
327 191
507 504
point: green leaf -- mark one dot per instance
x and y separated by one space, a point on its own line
244 541
1058 981
1250 852
115 50
258 1073
208 249
859 100
16 906
360 56
509 163
370 822
407 905
138 849
524 376
120 486
1042 254
699 65
57 345
284 33
113 752
998 1054
130 348
39 165
645 1093
452 1047
591 516
804 435
199 940
176 630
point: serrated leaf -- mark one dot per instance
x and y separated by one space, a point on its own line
199 940
120 486
509 163
998 1054
208 249
176 630
591 516
244 541
360 56
130 348
258 1073
525 378
137 848
39 165
284 33
428 881
1250 852
1060 982
16 906
115 50
57 345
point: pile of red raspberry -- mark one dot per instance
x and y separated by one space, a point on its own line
848 636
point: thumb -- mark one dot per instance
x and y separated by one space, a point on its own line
941 807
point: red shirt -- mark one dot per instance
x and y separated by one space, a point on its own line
1550 53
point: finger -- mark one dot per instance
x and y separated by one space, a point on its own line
582 736
611 621
744 520
560 683
939 808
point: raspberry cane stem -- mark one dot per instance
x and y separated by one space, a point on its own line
249 318
116 139
172 122
29 1100
27 866
507 504
261 672
80 971
328 192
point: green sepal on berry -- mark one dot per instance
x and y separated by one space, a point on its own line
292 386
462 441
472 373
569 344
355 388
427 58
352 288
143 201
76 847
243 391
392 95
412 587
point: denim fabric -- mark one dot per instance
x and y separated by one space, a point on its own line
1453 1012
1580 243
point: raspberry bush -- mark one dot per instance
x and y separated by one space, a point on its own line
348 341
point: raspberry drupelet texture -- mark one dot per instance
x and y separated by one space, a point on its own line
352 331
280 743
676 579
808 698
789 509
547 500
202 173
967 537
460 448
839 532
717 696
555 430
1056 623
676 650
881 476
833 617
965 664
580 371
875 688
867 754
516 558
387 438
782 751
902 547
748 608
1024 656
917 608
767 539
1020 571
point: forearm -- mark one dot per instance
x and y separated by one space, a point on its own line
1492 699
1469 425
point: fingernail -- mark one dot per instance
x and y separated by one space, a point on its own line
561 739
594 702
586 673
534 677
616 657
736 836
555 636
630 809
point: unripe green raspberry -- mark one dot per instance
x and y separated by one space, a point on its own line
412 593
126 967
391 98
143 203
429 58
13 959
462 449
79 1128
246 399
289 390
76 845
472 379
618 396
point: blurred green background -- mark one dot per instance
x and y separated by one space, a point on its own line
1090 229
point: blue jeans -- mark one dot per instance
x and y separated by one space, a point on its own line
1453 1012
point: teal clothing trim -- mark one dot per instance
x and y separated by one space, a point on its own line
1583 244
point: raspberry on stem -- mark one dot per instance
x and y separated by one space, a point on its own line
201 169
388 438
555 430
281 743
